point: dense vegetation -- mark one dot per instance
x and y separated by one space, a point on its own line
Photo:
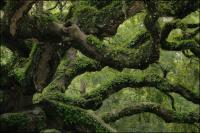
100 66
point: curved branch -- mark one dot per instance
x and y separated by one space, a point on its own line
103 21
73 68
94 99
154 12
138 57
126 80
74 117
169 116
172 100
15 11
183 44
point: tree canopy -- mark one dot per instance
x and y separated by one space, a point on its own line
100 66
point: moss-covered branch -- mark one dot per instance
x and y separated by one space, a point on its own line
175 8
116 57
102 21
66 72
157 9
74 118
126 80
94 99
27 121
71 69
169 116
188 42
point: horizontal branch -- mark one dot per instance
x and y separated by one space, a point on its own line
27 121
169 116
126 80
94 99
75 118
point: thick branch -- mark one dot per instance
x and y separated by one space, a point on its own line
103 21
185 43
26 5
94 99
73 68
138 57
75 118
27 121
125 80
175 8
169 116
46 60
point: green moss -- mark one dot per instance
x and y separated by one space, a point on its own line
22 67
192 18
166 7
15 120
29 121
62 66
109 13
75 116
85 16
76 67
7 56
95 42
92 20
37 97
140 55
99 4
40 118
46 18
